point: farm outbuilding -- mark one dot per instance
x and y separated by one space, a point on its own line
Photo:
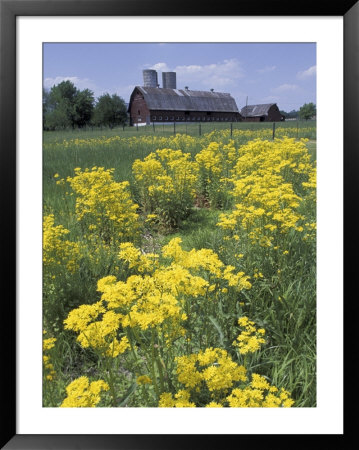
150 104
262 113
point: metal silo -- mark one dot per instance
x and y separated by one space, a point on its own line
169 80
149 78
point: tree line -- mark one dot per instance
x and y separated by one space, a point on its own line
66 106
305 112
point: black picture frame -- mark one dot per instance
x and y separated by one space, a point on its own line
9 10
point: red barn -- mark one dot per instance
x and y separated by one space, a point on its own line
262 113
150 103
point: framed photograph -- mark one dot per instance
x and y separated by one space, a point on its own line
175 270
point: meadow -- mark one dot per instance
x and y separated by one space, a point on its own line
179 269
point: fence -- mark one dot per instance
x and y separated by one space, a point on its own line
298 128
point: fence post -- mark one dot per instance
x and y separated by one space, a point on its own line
273 130
199 129
154 129
231 128
174 128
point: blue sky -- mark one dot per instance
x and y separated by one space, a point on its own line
266 72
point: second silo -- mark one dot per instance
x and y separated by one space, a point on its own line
150 78
169 80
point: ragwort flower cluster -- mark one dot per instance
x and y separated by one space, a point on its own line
104 206
267 193
212 379
83 394
58 252
259 394
165 182
215 164
155 305
251 338
97 328
48 368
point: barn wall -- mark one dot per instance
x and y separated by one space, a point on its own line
138 104
193 116
273 114
252 119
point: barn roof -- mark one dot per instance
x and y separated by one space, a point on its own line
256 110
186 100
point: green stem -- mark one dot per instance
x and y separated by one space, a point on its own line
145 395
153 372
245 360
160 368
133 350
50 391
112 388
110 380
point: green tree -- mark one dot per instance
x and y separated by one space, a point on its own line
60 106
46 106
66 106
290 115
110 110
57 118
84 107
307 111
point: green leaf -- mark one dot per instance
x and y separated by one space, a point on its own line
127 395
218 328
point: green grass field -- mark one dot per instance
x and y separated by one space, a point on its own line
192 129
282 300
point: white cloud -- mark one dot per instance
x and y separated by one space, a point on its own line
217 75
303 75
266 69
80 83
161 67
285 88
